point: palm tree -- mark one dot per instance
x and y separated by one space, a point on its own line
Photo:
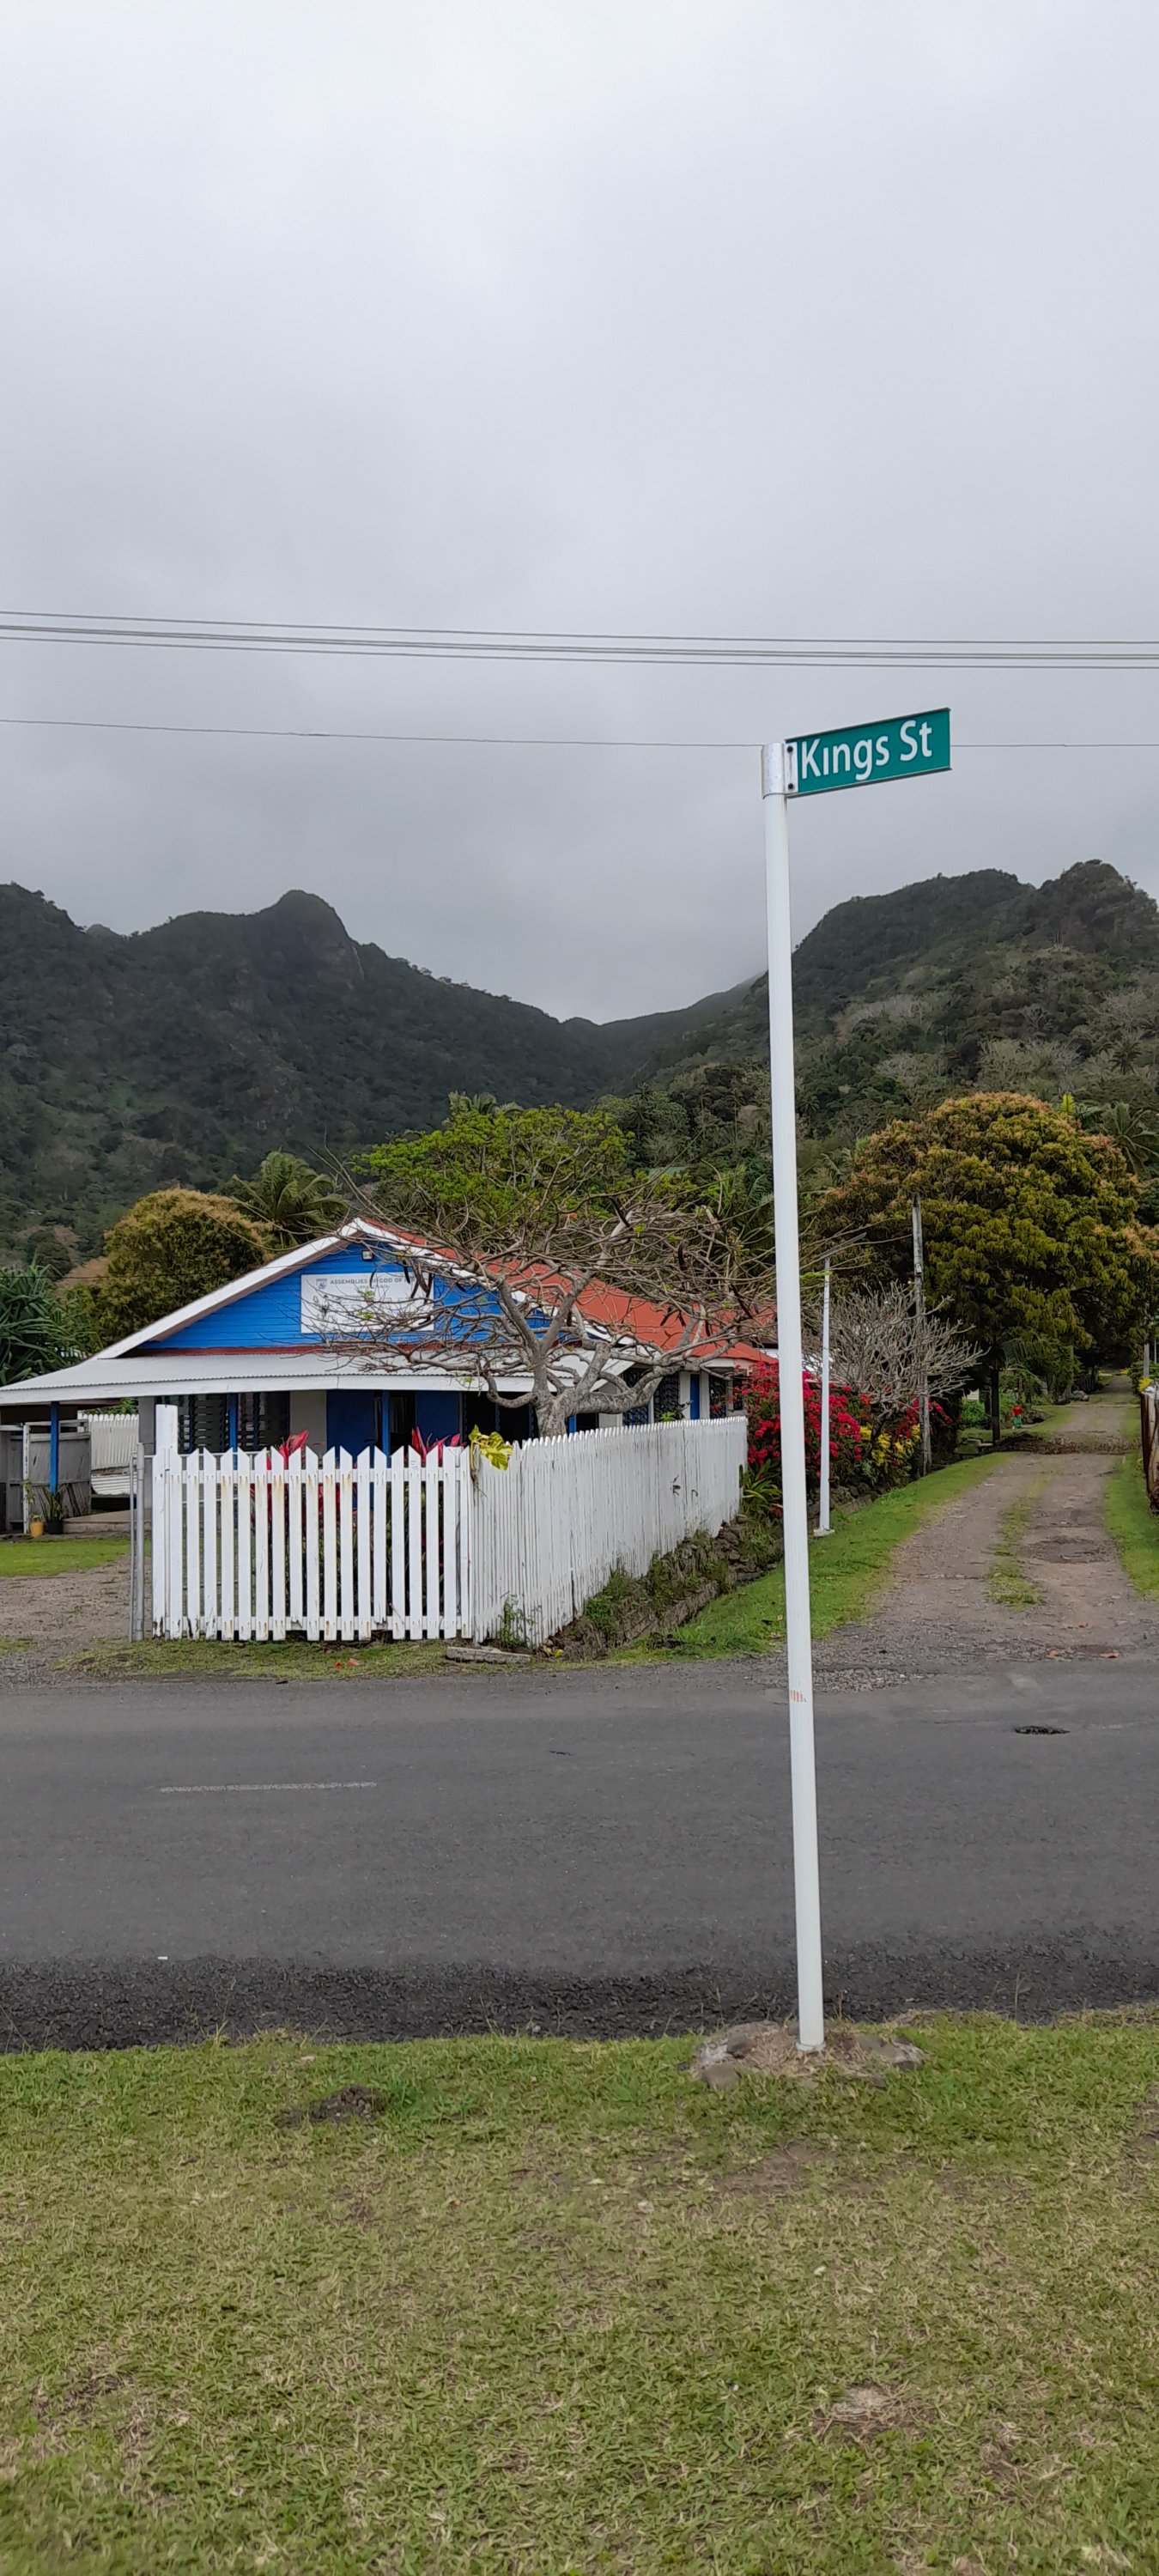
34 1333
290 1200
1133 1130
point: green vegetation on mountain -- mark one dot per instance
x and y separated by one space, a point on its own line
904 1000
187 1054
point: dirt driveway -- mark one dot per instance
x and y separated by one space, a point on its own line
1033 1527
46 1619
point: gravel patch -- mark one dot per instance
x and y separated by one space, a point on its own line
938 1615
45 1619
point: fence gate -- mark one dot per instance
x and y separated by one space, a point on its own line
336 1548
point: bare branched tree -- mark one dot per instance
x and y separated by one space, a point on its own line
533 1232
876 1349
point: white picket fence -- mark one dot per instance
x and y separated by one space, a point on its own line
347 1549
337 1548
547 1533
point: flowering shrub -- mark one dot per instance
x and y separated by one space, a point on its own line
859 1455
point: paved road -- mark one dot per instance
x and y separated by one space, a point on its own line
589 1853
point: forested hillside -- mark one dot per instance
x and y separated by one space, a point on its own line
186 1052
903 999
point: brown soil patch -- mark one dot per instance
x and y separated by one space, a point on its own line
45 1617
770 2048
354 2102
868 2409
784 2171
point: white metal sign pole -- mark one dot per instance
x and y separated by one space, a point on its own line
806 1869
823 1510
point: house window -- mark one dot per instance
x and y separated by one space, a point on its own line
666 1404
201 1423
263 1421
717 1398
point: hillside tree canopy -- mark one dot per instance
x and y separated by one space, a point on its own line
1031 1227
173 1246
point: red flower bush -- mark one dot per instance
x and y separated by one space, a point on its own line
859 1455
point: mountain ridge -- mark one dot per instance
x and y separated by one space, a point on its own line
183 1053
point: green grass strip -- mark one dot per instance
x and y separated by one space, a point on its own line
1007 1584
298 1660
1133 1525
41 1556
847 1571
556 2311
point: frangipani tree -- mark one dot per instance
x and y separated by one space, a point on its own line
536 1253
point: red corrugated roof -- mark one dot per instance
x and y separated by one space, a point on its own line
636 1319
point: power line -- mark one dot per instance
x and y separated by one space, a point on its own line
331 733
502 741
496 644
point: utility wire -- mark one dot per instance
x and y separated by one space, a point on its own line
498 741
421 643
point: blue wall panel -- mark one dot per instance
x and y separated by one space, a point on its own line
437 1417
268 1318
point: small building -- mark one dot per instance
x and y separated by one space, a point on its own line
270 1357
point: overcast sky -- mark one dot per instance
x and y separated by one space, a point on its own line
815 318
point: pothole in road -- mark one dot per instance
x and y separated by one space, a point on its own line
1042 1730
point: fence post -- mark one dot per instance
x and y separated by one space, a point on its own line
136 1545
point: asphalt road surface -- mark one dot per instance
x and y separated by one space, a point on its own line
586 1853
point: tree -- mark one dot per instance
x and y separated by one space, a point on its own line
290 1201
34 1332
1133 1129
537 1213
173 1246
1031 1227
877 1352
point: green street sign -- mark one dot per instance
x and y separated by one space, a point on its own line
870 754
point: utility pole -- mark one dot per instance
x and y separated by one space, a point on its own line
920 1340
823 1504
790 1364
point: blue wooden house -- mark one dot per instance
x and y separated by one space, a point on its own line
266 1358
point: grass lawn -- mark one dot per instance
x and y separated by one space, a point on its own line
847 1570
58 1555
1133 1525
296 1660
556 2309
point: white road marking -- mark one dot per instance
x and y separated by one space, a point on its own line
232 1788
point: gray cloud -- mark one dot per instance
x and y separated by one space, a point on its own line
815 319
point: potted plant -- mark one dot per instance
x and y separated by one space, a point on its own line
45 1509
